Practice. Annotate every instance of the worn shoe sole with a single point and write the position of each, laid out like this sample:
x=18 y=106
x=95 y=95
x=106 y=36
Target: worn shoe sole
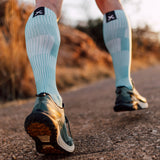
x=46 y=134
x=130 y=106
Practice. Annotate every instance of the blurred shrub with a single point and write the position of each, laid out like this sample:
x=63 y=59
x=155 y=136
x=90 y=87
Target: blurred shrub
x=145 y=42
x=94 y=29
x=14 y=65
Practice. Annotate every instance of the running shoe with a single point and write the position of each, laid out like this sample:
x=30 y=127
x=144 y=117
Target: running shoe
x=129 y=100
x=47 y=125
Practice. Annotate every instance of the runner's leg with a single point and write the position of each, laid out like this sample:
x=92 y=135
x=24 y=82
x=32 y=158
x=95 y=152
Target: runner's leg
x=117 y=37
x=47 y=123
x=42 y=43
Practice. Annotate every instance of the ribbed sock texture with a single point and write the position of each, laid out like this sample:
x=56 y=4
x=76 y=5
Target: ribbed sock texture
x=117 y=37
x=42 y=43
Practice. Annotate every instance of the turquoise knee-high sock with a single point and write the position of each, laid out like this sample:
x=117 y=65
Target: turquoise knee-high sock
x=117 y=38
x=42 y=43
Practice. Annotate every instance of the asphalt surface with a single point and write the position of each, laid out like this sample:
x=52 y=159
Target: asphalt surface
x=98 y=132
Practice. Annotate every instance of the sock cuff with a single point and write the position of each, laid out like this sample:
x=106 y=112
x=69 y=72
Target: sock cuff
x=42 y=21
x=43 y=11
x=115 y=15
x=42 y=15
x=117 y=12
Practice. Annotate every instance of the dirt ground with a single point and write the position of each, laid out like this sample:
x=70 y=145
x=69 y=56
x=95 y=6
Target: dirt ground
x=98 y=132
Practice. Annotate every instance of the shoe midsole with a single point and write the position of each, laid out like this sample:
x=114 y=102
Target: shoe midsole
x=139 y=104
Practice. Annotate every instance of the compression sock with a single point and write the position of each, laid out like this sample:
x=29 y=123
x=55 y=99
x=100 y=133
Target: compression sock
x=117 y=38
x=42 y=43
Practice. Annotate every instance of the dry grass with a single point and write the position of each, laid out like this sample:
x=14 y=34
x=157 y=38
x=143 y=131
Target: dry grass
x=15 y=71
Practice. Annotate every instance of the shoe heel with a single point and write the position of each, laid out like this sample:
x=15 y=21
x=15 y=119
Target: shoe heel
x=40 y=127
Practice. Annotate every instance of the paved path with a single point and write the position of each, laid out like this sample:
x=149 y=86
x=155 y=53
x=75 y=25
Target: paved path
x=98 y=132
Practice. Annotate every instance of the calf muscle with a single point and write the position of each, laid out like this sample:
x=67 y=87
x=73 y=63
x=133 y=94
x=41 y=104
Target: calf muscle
x=108 y=5
x=54 y=5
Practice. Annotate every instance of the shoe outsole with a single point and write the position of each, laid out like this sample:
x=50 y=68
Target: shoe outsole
x=41 y=128
x=129 y=107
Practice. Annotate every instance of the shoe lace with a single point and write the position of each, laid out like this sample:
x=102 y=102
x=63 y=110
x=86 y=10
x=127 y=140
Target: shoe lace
x=43 y=94
x=67 y=122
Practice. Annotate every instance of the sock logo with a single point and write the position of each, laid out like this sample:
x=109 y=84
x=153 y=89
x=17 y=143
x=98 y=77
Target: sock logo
x=110 y=16
x=39 y=11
